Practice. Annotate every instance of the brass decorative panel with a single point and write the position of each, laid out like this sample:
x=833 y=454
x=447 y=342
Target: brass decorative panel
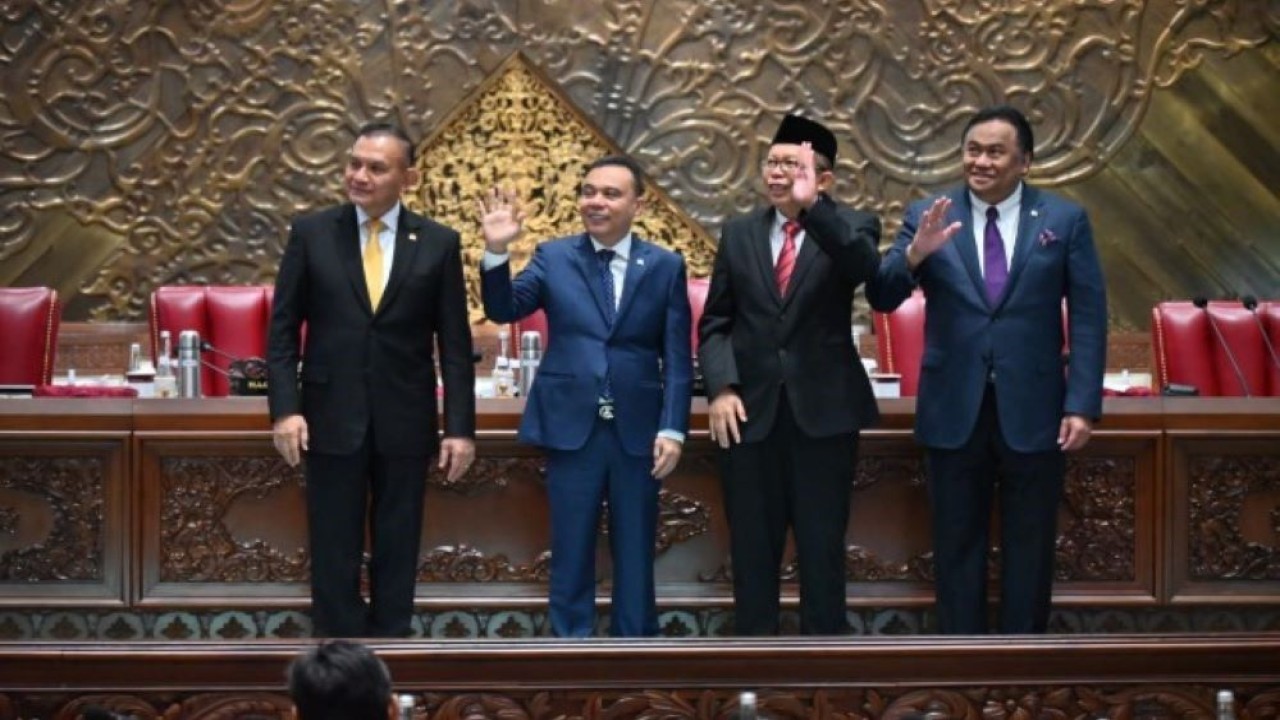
x=144 y=144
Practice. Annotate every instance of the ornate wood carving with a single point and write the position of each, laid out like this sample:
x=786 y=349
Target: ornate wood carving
x=195 y=545
x=169 y=145
x=488 y=474
x=1097 y=541
x=1047 y=700
x=73 y=488
x=1221 y=486
x=467 y=564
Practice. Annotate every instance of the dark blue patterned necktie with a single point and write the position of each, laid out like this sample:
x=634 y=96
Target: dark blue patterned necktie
x=605 y=258
x=995 y=266
x=606 y=281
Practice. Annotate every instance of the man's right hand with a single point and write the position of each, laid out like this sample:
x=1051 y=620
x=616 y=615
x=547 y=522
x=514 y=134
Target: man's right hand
x=932 y=233
x=290 y=437
x=723 y=416
x=501 y=219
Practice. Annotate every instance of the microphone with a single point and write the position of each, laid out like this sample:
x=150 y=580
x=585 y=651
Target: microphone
x=245 y=376
x=1203 y=304
x=1250 y=303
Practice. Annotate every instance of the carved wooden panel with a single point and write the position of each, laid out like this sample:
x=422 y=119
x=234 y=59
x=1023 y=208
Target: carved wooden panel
x=1142 y=702
x=887 y=679
x=1226 y=516
x=143 y=145
x=61 y=519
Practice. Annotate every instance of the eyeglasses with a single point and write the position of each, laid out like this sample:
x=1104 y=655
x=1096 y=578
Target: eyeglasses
x=788 y=164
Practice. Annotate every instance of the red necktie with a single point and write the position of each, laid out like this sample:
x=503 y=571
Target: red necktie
x=787 y=256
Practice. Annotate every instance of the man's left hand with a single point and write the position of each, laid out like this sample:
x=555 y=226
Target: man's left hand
x=1074 y=432
x=666 y=454
x=804 y=183
x=456 y=455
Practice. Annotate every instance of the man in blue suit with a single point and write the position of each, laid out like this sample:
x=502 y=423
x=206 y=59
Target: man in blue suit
x=610 y=404
x=996 y=411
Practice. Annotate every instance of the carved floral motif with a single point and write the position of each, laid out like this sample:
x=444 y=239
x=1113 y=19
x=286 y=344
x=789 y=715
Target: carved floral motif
x=73 y=489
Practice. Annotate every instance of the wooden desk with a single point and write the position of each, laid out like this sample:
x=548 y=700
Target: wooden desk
x=183 y=503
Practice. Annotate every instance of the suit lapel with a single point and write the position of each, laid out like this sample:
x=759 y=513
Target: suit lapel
x=589 y=266
x=1029 y=225
x=963 y=241
x=407 y=232
x=763 y=253
x=637 y=266
x=346 y=238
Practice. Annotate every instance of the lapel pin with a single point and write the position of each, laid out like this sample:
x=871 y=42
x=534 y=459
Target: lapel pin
x=640 y=261
x=1035 y=213
x=413 y=237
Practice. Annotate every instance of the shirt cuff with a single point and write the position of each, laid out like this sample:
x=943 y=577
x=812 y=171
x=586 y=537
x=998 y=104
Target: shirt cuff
x=492 y=260
x=672 y=435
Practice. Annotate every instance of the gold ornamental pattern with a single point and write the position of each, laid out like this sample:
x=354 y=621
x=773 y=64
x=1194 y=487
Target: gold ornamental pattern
x=518 y=131
x=147 y=144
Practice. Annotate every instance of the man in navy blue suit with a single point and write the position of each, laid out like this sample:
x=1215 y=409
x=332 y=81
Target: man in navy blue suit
x=996 y=411
x=610 y=404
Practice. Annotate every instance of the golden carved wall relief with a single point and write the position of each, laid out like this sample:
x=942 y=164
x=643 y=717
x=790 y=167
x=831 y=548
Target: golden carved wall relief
x=156 y=143
x=519 y=132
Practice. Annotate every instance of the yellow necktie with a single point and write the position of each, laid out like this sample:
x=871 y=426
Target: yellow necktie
x=373 y=263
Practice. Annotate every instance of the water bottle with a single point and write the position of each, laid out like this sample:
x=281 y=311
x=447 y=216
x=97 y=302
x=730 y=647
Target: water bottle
x=405 y=703
x=166 y=383
x=503 y=375
x=189 y=364
x=530 y=358
x=1226 y=705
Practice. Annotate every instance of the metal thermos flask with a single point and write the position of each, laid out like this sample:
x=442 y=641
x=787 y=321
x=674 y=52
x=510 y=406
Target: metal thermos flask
x=189 y=364
x=530 y=357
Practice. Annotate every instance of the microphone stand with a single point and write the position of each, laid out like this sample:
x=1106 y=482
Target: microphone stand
x=1203 y=304
x=1250 y=303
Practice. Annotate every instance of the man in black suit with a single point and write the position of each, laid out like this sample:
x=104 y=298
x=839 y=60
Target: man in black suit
x=376 y=286
x=788 y=392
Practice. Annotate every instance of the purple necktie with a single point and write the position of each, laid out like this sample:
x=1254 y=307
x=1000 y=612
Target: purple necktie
x=997 y=270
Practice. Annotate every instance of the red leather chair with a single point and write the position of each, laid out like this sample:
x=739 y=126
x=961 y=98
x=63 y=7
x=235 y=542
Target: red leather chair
x=1187 y=350
x=233 y=319
x=29 y=320
x=900 y=341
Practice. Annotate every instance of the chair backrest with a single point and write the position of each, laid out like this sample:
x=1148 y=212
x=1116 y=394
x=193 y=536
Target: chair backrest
x=233 y=319
x=29 y=320
x=697 y=300
x=900 y=341
x=1188 y=351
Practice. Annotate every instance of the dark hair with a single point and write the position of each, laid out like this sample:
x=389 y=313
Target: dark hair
x=385 y=128
x=637 y=175
x=339 y=680
x=1011 y=115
